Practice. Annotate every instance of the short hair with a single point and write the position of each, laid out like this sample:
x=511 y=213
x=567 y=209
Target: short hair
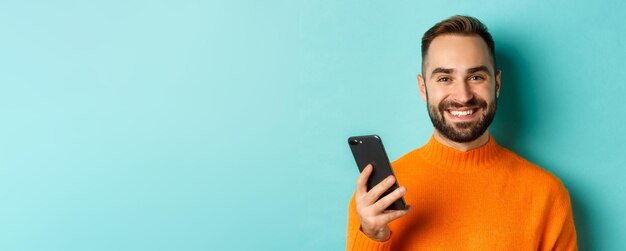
x=461 y=25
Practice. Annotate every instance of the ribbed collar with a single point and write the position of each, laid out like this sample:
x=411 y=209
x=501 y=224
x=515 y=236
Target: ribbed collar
x=444 y=156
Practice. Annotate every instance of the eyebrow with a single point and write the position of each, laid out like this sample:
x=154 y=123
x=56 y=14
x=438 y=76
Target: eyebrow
x=441 y=70
x=478 y=68
x=470 y=70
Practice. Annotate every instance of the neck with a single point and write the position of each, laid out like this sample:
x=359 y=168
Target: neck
x=462 y=146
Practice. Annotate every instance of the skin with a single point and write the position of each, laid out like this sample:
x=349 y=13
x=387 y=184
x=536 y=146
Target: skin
x=374 y=219
x=459 y=53
x=456 y=69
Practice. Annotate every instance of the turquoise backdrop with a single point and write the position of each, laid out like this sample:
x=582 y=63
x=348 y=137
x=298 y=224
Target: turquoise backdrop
x=195 y=125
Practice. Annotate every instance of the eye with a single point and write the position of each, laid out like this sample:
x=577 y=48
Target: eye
x=476 y=78
x=443 y=79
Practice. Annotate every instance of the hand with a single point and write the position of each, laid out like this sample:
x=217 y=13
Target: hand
x=374 y=219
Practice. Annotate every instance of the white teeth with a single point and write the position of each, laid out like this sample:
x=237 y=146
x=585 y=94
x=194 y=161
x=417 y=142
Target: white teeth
x=462 y=113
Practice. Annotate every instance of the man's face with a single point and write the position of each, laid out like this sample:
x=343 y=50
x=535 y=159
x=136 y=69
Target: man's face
x=460 y=86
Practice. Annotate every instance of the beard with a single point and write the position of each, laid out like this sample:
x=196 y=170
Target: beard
x=463 y=132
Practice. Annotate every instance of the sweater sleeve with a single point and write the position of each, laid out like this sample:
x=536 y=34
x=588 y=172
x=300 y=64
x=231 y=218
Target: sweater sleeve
x=560 y=231
x=356 y=239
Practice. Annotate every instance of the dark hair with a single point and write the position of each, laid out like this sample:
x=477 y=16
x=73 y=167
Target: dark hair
x=462 y=25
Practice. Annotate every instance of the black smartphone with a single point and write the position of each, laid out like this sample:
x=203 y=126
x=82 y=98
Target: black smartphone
x=369 y=149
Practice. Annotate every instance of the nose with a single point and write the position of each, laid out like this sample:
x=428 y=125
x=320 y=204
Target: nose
x=462 y=92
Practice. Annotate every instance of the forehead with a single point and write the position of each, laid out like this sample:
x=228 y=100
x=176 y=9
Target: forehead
x=458 y=52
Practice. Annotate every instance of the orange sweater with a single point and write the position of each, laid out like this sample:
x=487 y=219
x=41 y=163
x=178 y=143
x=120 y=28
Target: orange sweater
x=487 y=198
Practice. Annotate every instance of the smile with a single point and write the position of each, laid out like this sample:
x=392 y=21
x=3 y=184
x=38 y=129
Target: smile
x=463 y=112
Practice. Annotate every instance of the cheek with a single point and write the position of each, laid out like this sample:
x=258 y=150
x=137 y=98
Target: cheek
x=486 y=93
x=435 y=96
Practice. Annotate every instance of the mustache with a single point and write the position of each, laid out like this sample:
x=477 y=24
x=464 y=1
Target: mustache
x=474 y=102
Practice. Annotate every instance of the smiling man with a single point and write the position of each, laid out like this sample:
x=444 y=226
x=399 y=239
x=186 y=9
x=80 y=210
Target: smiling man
x=466 y=192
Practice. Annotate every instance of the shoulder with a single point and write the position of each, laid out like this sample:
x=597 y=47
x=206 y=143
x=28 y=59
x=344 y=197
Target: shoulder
x=408 y=164
x=407 y=159
x=535 y=177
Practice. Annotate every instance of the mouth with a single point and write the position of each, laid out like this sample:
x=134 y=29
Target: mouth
x=463 y=113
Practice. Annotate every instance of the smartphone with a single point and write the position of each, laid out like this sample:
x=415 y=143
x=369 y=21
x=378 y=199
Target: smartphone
x=369 y=149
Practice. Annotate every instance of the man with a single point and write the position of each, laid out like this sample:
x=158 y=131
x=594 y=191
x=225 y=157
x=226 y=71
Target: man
x=466 y=192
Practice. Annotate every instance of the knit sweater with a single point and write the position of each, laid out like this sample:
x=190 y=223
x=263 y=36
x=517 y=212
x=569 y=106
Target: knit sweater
x=487 y=198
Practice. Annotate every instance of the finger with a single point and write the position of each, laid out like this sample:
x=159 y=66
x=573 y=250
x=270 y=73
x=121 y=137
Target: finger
x=389 y=199
x=391 y=216
x=393 y=210
x=361 y=181
x=379 y=189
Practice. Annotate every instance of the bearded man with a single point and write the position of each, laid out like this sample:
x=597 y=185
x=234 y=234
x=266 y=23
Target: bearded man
x=466 y=192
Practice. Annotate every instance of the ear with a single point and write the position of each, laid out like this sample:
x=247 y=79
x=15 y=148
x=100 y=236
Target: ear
x=422 y=86
x=498 y=75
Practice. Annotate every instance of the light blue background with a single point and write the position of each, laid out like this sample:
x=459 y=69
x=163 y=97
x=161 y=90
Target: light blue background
x=194 y=125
